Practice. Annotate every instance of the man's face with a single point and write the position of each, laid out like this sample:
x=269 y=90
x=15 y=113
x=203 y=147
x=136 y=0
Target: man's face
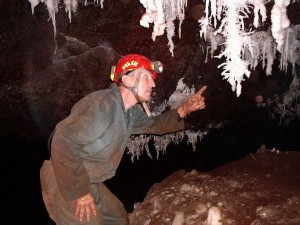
x=145 y=85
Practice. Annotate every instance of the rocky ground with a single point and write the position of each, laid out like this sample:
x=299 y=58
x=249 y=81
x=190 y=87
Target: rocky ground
x=260 y=189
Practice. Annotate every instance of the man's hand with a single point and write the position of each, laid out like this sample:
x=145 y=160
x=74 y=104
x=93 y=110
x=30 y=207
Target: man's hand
x=193 y=103
x=84 y=205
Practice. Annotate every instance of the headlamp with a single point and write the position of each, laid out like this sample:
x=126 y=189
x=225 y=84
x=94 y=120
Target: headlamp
x=157 y=66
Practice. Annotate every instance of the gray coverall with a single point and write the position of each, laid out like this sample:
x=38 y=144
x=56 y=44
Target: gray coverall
x=86 y=150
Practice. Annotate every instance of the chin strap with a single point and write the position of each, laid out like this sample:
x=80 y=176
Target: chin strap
x=134 y=91
x=146 y=109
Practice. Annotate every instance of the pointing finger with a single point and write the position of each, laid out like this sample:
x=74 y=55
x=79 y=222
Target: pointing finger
x=202 y=90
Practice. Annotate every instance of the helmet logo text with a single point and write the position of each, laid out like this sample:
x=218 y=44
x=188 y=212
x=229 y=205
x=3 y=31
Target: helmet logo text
x=132 y=63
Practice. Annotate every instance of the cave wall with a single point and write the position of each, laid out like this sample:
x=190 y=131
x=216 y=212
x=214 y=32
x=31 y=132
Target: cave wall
x=44 y=75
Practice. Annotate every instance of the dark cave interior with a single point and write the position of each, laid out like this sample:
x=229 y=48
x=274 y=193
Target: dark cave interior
x=37 y=92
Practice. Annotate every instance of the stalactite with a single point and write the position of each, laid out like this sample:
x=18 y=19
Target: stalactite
x=52 y=7
x=230 y=33
x=260 y=47
x=280 y=22
x=163 y=14
x=245 y=49
x=291 y=49
x=232 y=28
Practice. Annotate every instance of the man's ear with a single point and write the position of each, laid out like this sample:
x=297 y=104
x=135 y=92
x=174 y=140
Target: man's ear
x=127 y=80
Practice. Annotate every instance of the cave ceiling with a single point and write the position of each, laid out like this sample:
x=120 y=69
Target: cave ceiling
x=43 y=75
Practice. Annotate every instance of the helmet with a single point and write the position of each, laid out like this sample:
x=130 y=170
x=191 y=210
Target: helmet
x=134 y=61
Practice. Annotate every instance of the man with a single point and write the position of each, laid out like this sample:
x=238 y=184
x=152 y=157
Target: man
x=87 y=146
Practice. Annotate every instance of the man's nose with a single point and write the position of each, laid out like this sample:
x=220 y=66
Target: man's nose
x=152 y=83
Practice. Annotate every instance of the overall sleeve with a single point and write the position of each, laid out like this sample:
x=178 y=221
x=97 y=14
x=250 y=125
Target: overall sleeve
x=70 y=172
x=164 y=123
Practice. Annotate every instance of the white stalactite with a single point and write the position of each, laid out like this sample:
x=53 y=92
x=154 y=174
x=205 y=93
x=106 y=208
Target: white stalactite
x=219 y=9
x=162 y=14
x=280 y=22
x=245 y=49
x=70 y=6
x=33 y=3
x=232 y=29
x=260 y=47
x=241 y=49
x=291 y=48
x=259 y=8
x=52 y=7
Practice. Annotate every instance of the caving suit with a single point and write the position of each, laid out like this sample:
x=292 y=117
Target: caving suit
x=86 y=150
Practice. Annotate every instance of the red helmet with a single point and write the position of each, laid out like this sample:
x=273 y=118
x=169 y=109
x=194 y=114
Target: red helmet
x=134 y=61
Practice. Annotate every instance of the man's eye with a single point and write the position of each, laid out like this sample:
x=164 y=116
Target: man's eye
x=146 y=76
